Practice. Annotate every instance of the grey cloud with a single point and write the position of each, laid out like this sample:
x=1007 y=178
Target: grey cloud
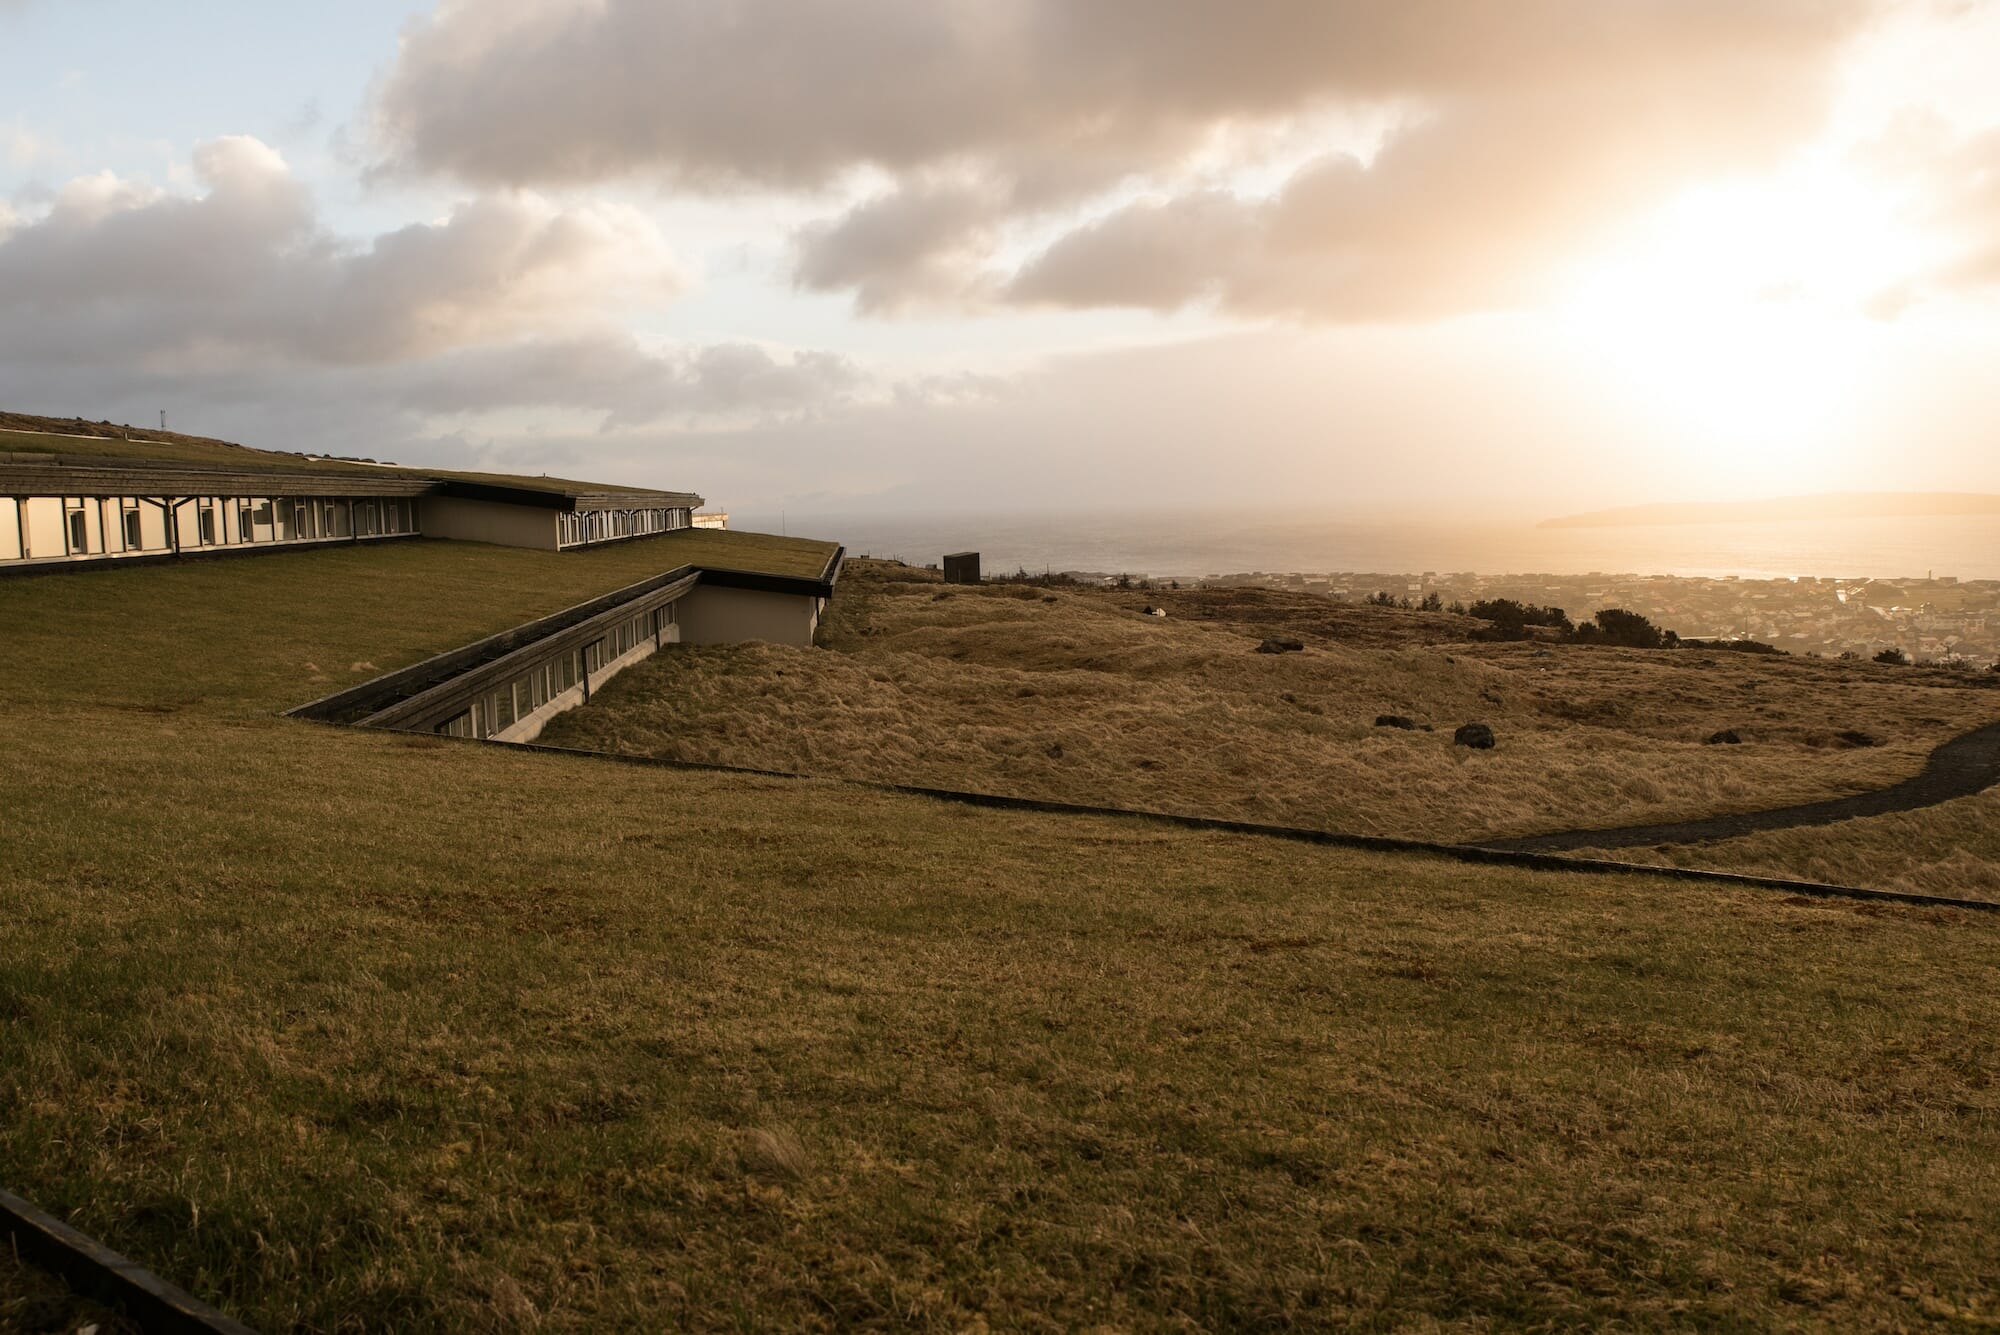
x=991 y=113
x=236 y=304
x=773 y=92
x=916 y=244
x=590 y=406
x=609 y=373
x=121 y=272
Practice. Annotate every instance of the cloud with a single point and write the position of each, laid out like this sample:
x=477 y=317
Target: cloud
x=121 y=271
x=921 y=245
x=1475 y=208
x=994 y=119
x=235 y=305
x=610 y=374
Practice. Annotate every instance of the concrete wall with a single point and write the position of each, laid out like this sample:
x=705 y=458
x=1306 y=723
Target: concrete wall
x=729 y=616
x=489 y=521
x=45 y=526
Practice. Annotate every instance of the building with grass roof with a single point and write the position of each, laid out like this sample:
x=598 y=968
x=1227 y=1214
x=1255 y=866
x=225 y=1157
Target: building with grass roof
x=70 y=498
x=78 y=501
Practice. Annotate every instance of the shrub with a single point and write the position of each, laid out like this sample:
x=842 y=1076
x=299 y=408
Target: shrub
x=1629 y=630
x=1894 y=657
x=1510 y=620
x=1740 y=646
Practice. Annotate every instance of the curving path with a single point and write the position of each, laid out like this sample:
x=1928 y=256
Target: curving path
x=1963 y=766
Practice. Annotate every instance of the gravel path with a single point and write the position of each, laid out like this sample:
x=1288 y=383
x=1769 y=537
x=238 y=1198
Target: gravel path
x=1961 y=767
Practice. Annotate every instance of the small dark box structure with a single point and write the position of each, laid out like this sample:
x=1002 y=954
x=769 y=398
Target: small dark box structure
x=961 y=568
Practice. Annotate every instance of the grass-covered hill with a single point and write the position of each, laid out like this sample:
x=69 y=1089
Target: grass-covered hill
x=22 y=433
x=1078 y=694
x=359 y=1031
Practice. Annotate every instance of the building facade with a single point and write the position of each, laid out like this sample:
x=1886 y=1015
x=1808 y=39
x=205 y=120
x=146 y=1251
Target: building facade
x=56 y=509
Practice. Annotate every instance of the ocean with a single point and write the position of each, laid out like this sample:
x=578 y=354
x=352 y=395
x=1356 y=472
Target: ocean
x=1194 y=544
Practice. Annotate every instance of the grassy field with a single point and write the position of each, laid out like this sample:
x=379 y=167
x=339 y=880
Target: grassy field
x=355 y=1031
x=1077 y=695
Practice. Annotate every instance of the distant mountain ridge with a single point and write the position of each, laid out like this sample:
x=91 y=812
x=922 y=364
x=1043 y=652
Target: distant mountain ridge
x=1828 y=505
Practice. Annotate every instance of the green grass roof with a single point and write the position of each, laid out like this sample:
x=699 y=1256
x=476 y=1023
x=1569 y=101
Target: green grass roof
x=187 y=452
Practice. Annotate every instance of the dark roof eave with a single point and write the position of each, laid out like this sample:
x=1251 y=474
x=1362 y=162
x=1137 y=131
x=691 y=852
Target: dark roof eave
x=567 y=501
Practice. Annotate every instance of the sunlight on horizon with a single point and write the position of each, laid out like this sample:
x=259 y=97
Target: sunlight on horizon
x=1739 y=323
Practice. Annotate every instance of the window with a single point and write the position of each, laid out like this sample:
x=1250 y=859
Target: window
x=134 y=537
x=246 y=526
x=205 y=519
x=79 y=532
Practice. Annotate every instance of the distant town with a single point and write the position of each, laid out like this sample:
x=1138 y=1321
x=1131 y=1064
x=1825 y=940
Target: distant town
x=1932 y=619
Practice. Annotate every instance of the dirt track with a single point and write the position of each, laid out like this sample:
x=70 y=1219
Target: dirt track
x=1961 y=767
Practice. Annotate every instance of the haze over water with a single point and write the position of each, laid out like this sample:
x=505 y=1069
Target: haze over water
x=1226 y=542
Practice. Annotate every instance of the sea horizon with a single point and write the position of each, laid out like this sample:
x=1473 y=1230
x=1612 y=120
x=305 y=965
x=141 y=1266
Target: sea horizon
x=1164 y=544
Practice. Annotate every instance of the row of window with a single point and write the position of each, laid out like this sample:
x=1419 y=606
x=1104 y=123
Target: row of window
x=42 y=527
x=502 y=707
x=587 y=526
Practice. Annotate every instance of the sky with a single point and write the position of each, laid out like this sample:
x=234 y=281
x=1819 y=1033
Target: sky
x=1393 y=257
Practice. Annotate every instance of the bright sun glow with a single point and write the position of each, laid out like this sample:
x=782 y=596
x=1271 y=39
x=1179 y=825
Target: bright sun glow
x=1737 y=322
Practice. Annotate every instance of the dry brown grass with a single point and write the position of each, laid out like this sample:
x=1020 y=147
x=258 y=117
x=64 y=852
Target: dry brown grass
x=1076 y=695
x=1949 y=849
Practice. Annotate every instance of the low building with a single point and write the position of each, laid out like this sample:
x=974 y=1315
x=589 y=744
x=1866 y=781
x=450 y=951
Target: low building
x=79 y=501
x=58 y=507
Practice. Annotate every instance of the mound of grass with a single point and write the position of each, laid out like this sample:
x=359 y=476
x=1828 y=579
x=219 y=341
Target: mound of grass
x=1078 y=696
x=362 y=1030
